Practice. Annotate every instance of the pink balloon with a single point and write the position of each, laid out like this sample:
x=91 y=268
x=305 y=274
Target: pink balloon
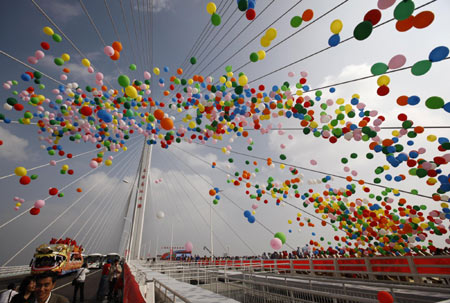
x=313 y=162
x=63 y=77
x=188 y=246
x=32 y=60
x=291 y=74
x=109 y=51
x=99 y=76
x=397 y=61
x=53 y=163
x=39 y=203
x=384 y=4
x=17 y=208
x=90 y=69
x=93 y=164
x=39 y=54
x=276 y=243
x=147 y=75
x=254 y=206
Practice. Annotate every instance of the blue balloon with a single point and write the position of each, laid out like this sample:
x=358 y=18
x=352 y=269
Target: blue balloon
x=334 y=40
x=25 y=77
x=166 y=69
x=105 y=116
x=247 y=213
x=413 y=100
x=251 y=219
x=438 y=54
x=447 y=107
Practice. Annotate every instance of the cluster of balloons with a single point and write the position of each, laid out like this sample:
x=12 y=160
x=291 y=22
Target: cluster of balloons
x=24 y=178
x=335 y=27
x=215 y=18
x=268 y=37
x=247 y=6
x=113 y=51
x=306 y=16
x=19 y=202
x=214 y=192
x=278 y=240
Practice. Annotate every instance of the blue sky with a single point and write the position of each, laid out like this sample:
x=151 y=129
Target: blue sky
x=183 y=194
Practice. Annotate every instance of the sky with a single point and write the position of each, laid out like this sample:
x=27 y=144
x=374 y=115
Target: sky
x=167 y=35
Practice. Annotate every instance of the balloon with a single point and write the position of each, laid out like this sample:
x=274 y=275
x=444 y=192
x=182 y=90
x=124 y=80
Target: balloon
x=188 y=246
x=261 y=54
x=307 y=15
x=276 y=244
x=271 y=33
x=373 y=16
x=56 y=38
x=439 y=53
x=296 y=21
x=116 y=56
x=250 y=14
x=86 y=62
x=334 y=40
x=20 y=171
x=86 y=111
x=421 y=68
x=159 y=114
x=254 y=57
x=39 y=54
x=167 y=123
x=384 y=4
x=265 y=42
x=156 y=71
x=53 y=191
x=363 y=30
x=65 y=57
x=117 y=46
x=243 y=80
x=104 y=115
x=336 y=26
x=108 y=50
x=123 y=80
x=35 y=211
x=147 y=75
x=48 y=31
x=132 y=67
x=247 y=213
x=280 y=236
x=423 y=19
x=215 y=19
x=397 y=61
x=212 y=192
x=160 y=214
x=25 y=180
x=385 y=297
x=39 y=204
x=93 y=164
x=211 y=8
x=131 y=92
x=434 y=102
x=404 y=9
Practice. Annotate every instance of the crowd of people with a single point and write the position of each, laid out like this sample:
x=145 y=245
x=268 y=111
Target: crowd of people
x=38 y=288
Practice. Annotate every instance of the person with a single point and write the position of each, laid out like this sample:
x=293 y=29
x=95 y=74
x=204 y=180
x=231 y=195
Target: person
x=102 y=285
x=26 y=291
x=79 y=282
x=7 y=295
x=45 y=283
x=114 y=274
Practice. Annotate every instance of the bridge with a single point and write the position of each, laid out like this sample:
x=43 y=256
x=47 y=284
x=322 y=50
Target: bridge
x=229 y=151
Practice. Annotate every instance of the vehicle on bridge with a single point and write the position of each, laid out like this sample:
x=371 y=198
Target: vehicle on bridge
x=95 y=260
x=113 y=257
x=60 y=256
x=176 y=255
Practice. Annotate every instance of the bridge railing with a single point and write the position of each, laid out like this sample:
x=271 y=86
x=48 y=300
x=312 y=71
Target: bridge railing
x=166 y=294
x=9 y=271
x=408 y=269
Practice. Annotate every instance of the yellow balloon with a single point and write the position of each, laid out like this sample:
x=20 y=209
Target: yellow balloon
x=261 y=54
x=65 y=167
x=48 y=31
x=265 y=42
x=243 y=80
x=383 y=80
x=131 y=91
x=108 y=162
x=336 y=26
x=20 y=171
x=211 y=8
x=431 y=138
x=86 y=62
x=192 y=124
x=156 y=71
x=65 y=57
x=222 y=79
x=271 y=33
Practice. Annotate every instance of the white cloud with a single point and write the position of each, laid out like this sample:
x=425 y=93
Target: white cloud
x=62 y=11
x=158 y=6
x=13 y=148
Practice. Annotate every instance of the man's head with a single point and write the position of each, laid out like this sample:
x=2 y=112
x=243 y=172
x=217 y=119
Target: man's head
x=11 y=286
x=45 y=283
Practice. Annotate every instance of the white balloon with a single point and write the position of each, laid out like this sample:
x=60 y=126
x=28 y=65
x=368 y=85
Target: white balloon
x=160 y=214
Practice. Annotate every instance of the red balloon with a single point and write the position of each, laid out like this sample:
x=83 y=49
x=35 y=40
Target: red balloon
x=45 y=45
x=86 y=111
x=19 y=107
x=373 y=16
x=25 y=180
x=385 y=297
x=383 y=90
x=250 y=14
x=35 y=211
x=1 y=142
x=53 y=191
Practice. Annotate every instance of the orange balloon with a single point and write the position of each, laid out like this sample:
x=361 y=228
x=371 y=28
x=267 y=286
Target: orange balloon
x=212 y=192
x=117 y=46
x=79 y=190
x=116 y=56
x=307 y=15
x=179 y=71
x=167 y=123
x=405 y=25
x=423 y=19
x=159 y=114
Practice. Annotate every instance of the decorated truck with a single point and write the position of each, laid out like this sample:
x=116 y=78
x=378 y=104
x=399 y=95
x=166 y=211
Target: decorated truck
x=60 y=255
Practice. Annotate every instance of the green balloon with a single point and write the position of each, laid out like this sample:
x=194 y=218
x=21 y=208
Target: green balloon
x=132 y=66
x=123 y=80
x=296 y=21
x=280 y=236
x=193 y=60
x=404 y=9
x=254 y=57
x=34 y=177
x=363 y=30
x=228 y=68
x=56 y=38
x=58 y=61
x=434 y=102
x=243 y=5
x=421 y=68
x=379 y=69
x=215 y=19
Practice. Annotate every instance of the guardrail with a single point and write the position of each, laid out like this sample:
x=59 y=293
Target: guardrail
x=409 y=269
x=168 y=294
x=10 y=271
